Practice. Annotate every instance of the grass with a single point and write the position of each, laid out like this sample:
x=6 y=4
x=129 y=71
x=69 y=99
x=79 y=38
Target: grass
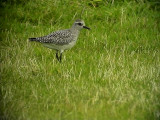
x=113 y=72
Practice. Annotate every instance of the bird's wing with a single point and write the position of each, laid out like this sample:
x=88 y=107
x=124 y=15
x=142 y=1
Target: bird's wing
x=61 y=37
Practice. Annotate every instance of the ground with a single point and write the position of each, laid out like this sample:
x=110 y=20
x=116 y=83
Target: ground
x=113 y=71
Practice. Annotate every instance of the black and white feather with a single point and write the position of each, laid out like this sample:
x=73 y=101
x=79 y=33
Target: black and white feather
x=61 y=37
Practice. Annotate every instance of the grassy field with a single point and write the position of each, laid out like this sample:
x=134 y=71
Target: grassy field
x=112 y=73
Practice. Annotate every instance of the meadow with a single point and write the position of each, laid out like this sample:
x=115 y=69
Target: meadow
x=112 y=73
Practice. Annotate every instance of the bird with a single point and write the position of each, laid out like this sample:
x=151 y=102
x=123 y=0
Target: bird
x=62 y=40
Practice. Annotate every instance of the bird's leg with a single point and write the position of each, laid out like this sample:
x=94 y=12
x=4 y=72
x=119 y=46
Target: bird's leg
x=60 y=57
x=57 y=56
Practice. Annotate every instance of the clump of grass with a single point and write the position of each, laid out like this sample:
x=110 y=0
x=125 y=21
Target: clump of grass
x=111 y=73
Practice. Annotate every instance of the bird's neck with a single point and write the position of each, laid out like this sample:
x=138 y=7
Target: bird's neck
x=75 y=30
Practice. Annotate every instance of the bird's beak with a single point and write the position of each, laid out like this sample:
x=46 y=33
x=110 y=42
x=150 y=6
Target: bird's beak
x=86 y=27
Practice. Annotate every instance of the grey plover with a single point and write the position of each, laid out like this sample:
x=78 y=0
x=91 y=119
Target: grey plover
x=63 y=39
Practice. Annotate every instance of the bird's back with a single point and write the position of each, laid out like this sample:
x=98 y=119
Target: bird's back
x=61 y=37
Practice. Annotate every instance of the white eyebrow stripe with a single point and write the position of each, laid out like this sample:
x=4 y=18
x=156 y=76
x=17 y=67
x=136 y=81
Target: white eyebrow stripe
x=77 y=22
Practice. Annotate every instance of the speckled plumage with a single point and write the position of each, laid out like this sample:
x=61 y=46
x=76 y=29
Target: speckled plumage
x=62 y=39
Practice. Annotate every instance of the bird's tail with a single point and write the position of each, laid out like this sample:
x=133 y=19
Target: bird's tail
x=32 y=39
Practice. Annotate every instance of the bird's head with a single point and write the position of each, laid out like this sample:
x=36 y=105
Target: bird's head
x=79 y=24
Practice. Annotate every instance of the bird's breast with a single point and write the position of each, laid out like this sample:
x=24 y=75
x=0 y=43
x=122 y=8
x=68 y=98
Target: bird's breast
x=60 y=47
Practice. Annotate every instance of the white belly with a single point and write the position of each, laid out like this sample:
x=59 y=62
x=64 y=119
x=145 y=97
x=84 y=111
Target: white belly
x=59 y=47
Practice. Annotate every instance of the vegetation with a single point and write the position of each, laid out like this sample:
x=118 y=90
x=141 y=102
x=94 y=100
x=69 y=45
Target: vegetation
x=112 y=73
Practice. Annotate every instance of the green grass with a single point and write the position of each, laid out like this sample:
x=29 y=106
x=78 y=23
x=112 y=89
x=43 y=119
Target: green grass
x=112 y=73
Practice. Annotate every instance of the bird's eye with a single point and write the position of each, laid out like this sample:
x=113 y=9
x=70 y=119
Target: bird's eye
x=80 y=24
